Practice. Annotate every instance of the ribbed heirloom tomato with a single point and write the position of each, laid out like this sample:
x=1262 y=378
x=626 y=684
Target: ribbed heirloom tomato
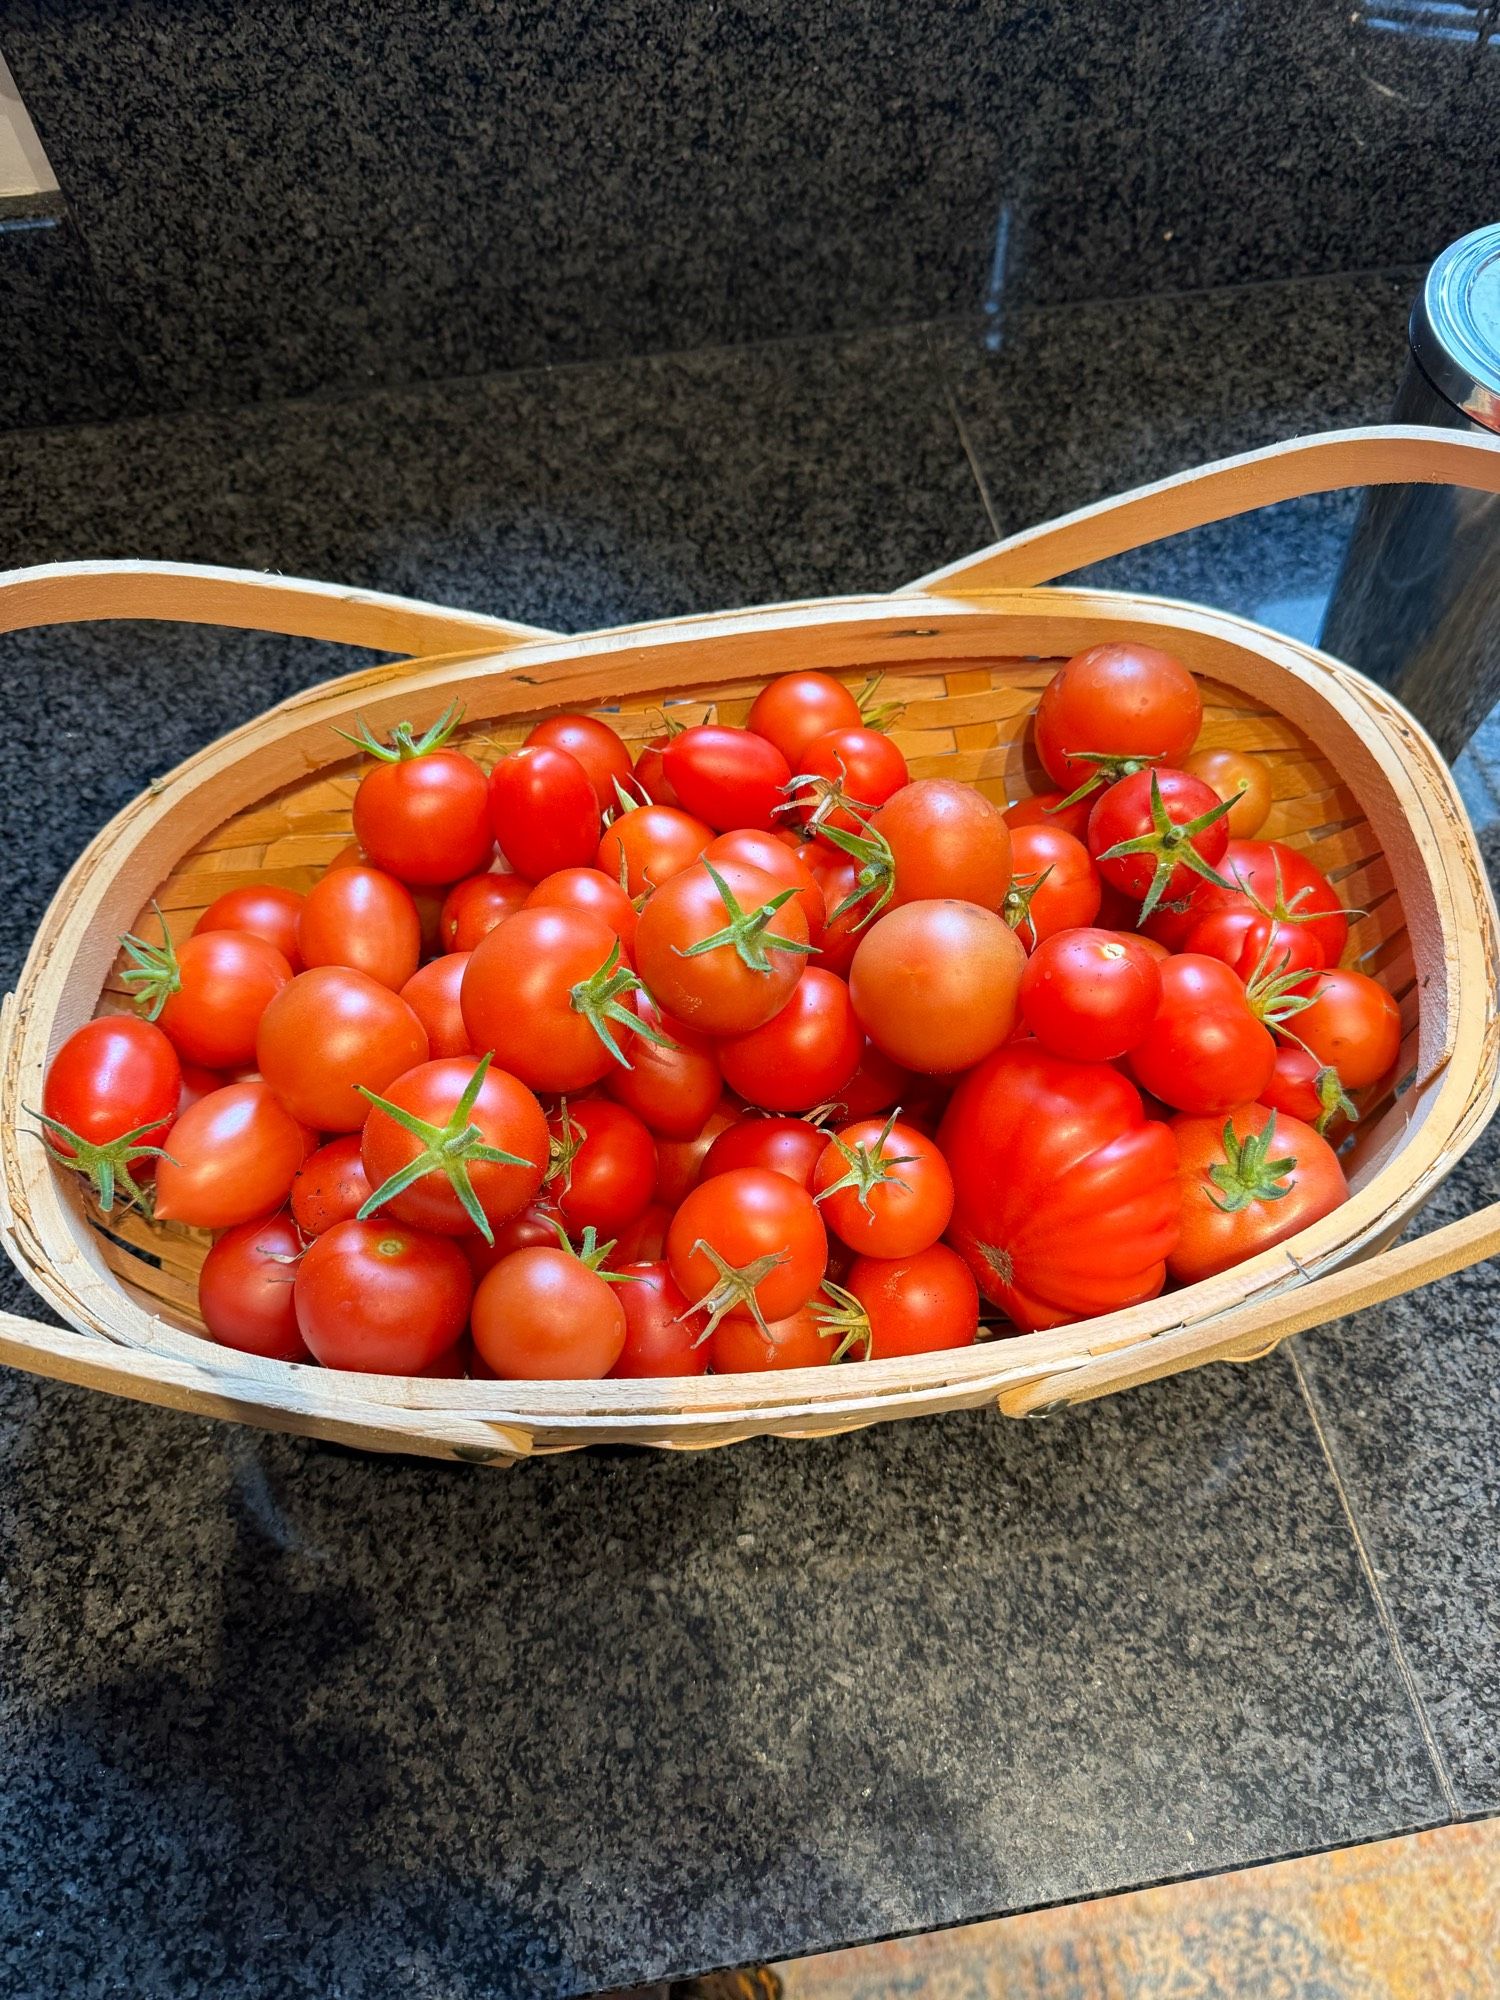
x=328 y=1032
x=1248 y=1182
x=422 y=814
x=1066 y=1201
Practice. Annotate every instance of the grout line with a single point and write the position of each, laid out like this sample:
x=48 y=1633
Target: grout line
x=1372 y=1583
x=975 y=467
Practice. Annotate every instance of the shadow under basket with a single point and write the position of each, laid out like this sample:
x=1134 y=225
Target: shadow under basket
x=1359 y=789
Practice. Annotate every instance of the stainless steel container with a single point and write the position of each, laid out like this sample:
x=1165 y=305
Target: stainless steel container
x=1417 y=601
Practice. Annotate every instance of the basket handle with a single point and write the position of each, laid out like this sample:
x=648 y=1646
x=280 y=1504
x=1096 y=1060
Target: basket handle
x=197 y=594
x=1382 y=455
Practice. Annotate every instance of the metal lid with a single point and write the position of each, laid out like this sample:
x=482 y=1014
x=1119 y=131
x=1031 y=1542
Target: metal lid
x=1455 y=325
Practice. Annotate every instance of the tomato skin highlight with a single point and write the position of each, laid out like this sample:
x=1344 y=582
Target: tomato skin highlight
x=594 y=745
x=1047 y=809
x=745 y=1215
x=245 y=1290
x=432 y=993
x=542 y=1316
x=948 y=843
x=329 y=1031
x=935 y=985
x=1066 y=1198
x=716 y=992
x=506 y=1115
x=795 y=709
x=330 y=1185
x=425 y=819
x=1214 y=1238
x=1205 y=1052
x=265 y=911
x=917 y=1304
x=1254 y=865
x=227 y=979
x=1089 y=995
x=365 y=919
x=1236 y=775
x=111 y=1076
x=612 y=1177
x=726 y=777
x=805 y=1053
x=591 y=890
x=234 y=1156
x=662 y=1334
x=544 y=811
x=651 y=845
x=1121 y=700
x=1254 y=946
x=787 y=1146
x=472 y=908
x=864 y=763
x=1353 y=1025
x=1055 y=886
x=516 y=998
x=381 y=1299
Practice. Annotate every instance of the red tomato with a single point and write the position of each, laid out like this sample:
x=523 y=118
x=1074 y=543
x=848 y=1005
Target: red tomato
x=663 y=1336
x=748 y=1241
x=1307 y=1089
x=380 y=1298
x=112 y=1093
x=472 y=909
x=650 y=780
x=917 y=1304
x=883 y=1188
x=1258 y=947
x=721 y=948
x=671 y=1089
x=740 y=1345
x=544 y=1316
x=587 y=889
x=787 y=1146
x=785 y=865
x=245 y=1289
x=544 y=811
x=839 y=877
x=679 y=1162
x=795 y=709
x=1055 y=886
x=328 y=1032
x=596 y=747
x=1205 y=1051
x=546 y=992
x=647 y=846
x=1280 y=880
x=1090 y=995
x=198 y=1082
x=208 y=993
x=1049 y=809
x=1248 y=1182
x=934 y=984
x=1112 y=709
x=422 y=813
x=362 y=918
x=945 y=840
x=234 y=1156
x=266 y=911
x=859 y=765
x=608 y=1172
x=802 y=1056
x=728 y=777
x=1156 y=836
x=538 y=1224
x=1066 y=1196
x=1243 y=779
x=432 y=995
x=454 y=1145
x=1353 y=1026
x=330 y=1185
x=643 y=1241
x=878 y=1084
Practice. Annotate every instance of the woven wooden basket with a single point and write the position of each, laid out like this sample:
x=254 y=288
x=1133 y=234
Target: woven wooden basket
x=1358 y=786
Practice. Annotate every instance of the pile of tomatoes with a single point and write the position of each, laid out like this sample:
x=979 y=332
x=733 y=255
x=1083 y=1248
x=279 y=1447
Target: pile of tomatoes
x=747 y=1051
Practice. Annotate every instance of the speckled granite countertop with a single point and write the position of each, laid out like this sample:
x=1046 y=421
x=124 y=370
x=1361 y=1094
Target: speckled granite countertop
x=278 y=1720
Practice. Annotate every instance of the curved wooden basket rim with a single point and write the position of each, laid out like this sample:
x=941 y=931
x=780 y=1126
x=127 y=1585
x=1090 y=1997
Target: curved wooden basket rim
x=178 y=592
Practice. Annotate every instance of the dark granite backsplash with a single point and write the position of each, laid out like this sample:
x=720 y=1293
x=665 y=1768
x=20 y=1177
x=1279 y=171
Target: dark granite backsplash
x=279 y=196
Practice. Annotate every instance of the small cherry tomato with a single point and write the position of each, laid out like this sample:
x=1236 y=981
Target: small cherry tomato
x=883 y=1188
x=245 y=1289
x=112 y=1092
x=234 y=1156
x=934 y=984
x=663 y=1336
x=1258 y=947
x=432 y=995
x=1090 y=995
x=208 y=993
x=671 y=1088
x=1205 y=1050
x=330 y=1186
x=1049 y=809
x=265 y=910
x=422 y=813
x=1113 y=708
x=1157 y=834
x=1307 y=1089
x=1353 y=1026
x=748 y=1241
x=785 y=865
x=740 y=1345
x=917 y=1304
x=643 y=1241
x=679 y=1162
x=804 y=1055
x=364 y=919
x=649 y=780
x=604 y=1166
x=787 y=1146
x=860 y=767
x=728 y=777
x=795 y=709
x=587 y=889
x=472 y=909
x=1242 y=779
x=838 y=877
x=1055 y=886
x=946 y=841
x=328 y=1032
x=381 y=1299
x=546 y=992
x=1274 y=878
x=538 y=1225
x=721 y=948
x=1248 y=1182
x=544 y=811
x=454 y=1145
x=647 y=846
x=596 y=747
x=878 y=1084
x=543 y=1316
